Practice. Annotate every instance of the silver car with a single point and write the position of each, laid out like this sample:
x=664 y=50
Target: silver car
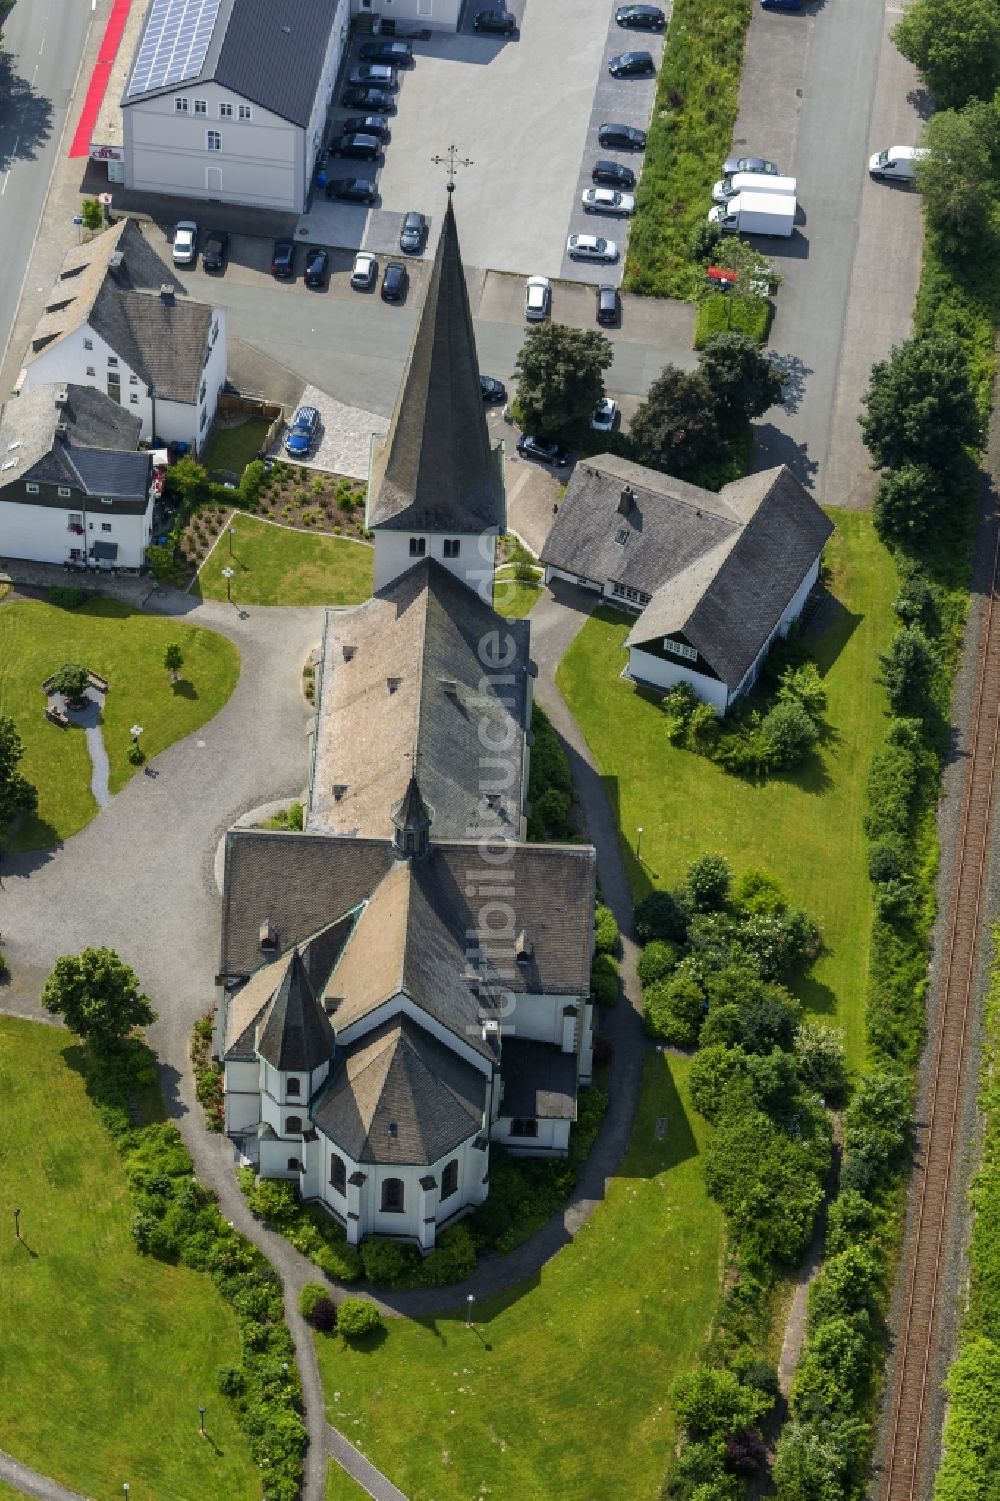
x=607 y=201
x=537 y=298
x=591 y=248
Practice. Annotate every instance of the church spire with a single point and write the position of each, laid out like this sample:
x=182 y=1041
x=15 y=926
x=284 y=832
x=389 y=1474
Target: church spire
x=412 y=820
x=435 y=471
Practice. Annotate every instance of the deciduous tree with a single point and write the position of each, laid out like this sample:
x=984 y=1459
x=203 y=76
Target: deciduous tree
x=955 y=47
x=173 y=659
x=957 y=177
x=676 y=428
x=98 y=996
x=560 y=376
x=919 y=406
x=741 y=378
x=17 y=795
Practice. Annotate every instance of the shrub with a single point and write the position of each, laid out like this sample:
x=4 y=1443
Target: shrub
x=604 y=980
x=71 y=681
x=606 y=936
x=756 y=891
x=822 y=1062
x=660 y=915
x=231 y=1381
x=707 y=883
x=657 y=960
x=712 y=1402
x=67 y=596
x=387 y=1263
x=358 y=1318
x=453 y=1258
x=789 y=734
x=678 y=704
x=673 y=1009
x=135 y=754
x=252 y=482
x=702 y=730
x=908 y=669
x=309 y=1295
x=803 y=685
x=324 y=1315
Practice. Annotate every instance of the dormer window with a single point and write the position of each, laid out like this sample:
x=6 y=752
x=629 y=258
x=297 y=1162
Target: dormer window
x=392 y=684
x=524 y=948
x=268 y=938
x=622 y=537
x=339 y=788
x=680 y=648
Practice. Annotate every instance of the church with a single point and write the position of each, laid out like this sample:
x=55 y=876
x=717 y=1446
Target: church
x=408 y=980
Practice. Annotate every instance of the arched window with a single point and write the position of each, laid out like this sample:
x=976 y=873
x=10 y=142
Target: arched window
x=338 y=1174
x=293 y=1087
x=449 y=1179
x=392 y=1196
x=293 y=1125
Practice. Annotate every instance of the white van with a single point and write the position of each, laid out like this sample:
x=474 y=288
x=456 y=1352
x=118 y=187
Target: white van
x=748 y=182
x=897 y=161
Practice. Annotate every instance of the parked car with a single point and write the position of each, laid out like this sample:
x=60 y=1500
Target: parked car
x=387 y=50
x=380 y=100
x=352 y=189
x=317 y=266
x=412 y=233
x=215 y=250
x=500 y=21
x=757 y=164
x=631 y=65
x=362 y=147
x=394 y=282
x=606 y=414
x=366 y=125
x=373 y=76
x=591 y=248
x=537 y=298
x=541 y=448
x=781 y=4
x=365 y=273
x=613 y=175
x=607 y=306
x=621 y=138
x=899 y=162
x=641 y=17
x=303 y=429
x=283 y=259
x=185 y=251
x=492 y=389
x=607 y=201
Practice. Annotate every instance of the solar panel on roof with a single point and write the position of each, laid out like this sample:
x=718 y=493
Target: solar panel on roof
x=175 y=43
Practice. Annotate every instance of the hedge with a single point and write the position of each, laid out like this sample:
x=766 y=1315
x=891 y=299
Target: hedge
x=722 y=313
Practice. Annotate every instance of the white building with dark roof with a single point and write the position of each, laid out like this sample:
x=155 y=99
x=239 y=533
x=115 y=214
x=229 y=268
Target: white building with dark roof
x=227 y=100
x=408 y=980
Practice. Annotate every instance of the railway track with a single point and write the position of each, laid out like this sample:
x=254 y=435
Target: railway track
x=912 y=1384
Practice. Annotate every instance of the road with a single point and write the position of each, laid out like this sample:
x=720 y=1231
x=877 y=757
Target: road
x=43 y=42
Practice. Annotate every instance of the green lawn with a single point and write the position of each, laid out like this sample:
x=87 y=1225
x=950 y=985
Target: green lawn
x=276 y=566
x=233 y=448
x=105 y=1355
x=561 y=1387
x=804 y=828
x=514 y=599
x=127 y=648
x=8 y=1493
x=339 y=1485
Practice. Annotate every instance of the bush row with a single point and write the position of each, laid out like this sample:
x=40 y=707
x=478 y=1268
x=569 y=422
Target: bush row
x=550 y=784
x=773 y=731
x=355 y=1318
x=209 y=1079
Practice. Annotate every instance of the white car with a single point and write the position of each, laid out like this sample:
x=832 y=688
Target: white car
x=185 y=243
x=365 y=273
x=607 y=201
x=591 y=248
x=537 y=298
x=606 y=414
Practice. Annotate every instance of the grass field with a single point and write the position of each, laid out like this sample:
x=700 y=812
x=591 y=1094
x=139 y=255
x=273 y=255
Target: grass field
x=126 y=647
x=275 y=566
x=339 y=1486
x=806 y=827
x=513 y=599
x=105 y=1355
x=560 y=1389
x=233 y=448
x=8 y=1493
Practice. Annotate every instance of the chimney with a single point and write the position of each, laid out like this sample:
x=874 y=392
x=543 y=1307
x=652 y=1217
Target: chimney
x=62 y=397
x=339 y=788
x=450 y=686
x=523 y=948
x=116 y=264
x=625 y=500
x=167 y=294
x=62 y=432
x=349 y=652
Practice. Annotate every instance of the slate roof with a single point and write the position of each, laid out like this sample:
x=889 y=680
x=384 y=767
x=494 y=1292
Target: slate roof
x=729 y=613
x=268 y=52
x=97 y=454
x=297 y=1033
x=402 y=674
x=248 y=1004
x=399 y=1075
x=539 y=1080
x=162 y=341
x=435 y=470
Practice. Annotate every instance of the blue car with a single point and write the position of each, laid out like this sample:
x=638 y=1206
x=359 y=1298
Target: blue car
x=302 y=431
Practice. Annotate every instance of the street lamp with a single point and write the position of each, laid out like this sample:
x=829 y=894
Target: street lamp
x=17 y=1223
x=638 y=843
x=232 y=531
x=135 y=732
x=125 y=1488
x=468 y=1317
x=227 y=574
x=284 y=1369
x=201 y=1419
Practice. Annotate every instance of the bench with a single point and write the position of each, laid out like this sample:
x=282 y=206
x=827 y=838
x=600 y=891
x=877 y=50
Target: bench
x=96 y=681
x=56 y=716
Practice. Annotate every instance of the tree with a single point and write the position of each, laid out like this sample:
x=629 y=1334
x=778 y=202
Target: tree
x=188 y=479
x=807 y=1467
x=676 y=428
x=955 y=47
x=173 y=659
x=908 y=669
x=91 y=214
x=822 y=1060
x=908 y=502
x=660 y=915
x=17 y=795
x=919 y=404
x=71 y=681
x=789 y=732
x=956 y=178
x=707 y=883
x=98 y=996
x=741 y=378
x=560 y=376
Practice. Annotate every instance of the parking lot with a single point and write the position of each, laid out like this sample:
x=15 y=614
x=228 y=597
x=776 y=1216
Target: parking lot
x=525 y=110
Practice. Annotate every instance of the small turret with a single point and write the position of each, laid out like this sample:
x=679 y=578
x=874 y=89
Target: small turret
x=412 y=820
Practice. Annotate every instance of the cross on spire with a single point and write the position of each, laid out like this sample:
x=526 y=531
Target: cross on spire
x=453 y=160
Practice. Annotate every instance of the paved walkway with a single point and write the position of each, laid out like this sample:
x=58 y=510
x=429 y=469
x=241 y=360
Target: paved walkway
x=33 y=1484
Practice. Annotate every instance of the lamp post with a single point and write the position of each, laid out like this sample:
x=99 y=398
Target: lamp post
x=125 y=1488
x=468 y=1316
x=232 y=530
x=17 y=1223
x=201 y=1420
x=227 y=574
x=284 y=1369
x=135 y=732
x=638 y=843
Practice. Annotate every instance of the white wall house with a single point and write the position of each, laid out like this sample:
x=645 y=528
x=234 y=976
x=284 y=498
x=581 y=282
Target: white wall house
x=434 y=15
x=239 y=118
x=470 y=556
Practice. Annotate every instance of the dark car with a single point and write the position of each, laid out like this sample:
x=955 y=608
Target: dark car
x=540 y=448
x=781 y=4
x=758 y=165
x=302 y=430
x=412 y=233
x=607 y=306
x=352 y=189
x=364 y=147
x=400 y=54
x=492 y=389
x=394 y=282
x=213 y=257
x=317 y=265
x=500 y=21
x=613 y=175
x=374 y=76
x=374 y=99
x=283 y=259
x=621 y=138
x=631 y=65
x=641 y=17
x=366 y=125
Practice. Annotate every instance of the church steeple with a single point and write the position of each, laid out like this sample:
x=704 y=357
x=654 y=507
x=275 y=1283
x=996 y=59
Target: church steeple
x=435 y=472
x=412 y=820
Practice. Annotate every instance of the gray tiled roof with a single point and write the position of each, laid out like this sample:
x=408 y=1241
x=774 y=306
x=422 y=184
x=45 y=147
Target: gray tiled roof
x=297 y=1033
x=99 y=445
x=435 y=471
x=398 y=1076
x=413 y=680
x=730 y=617
x=539 y=1080
x=102 y=472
